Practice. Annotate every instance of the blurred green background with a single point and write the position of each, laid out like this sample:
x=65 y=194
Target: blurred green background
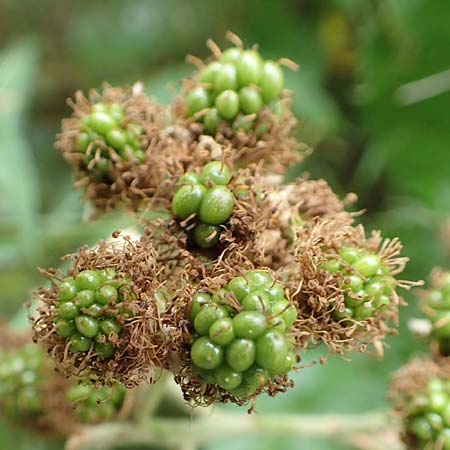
x=375 y=131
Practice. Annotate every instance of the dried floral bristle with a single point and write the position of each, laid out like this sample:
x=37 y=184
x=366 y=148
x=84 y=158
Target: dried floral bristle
x=134 y=345
x=344 y=285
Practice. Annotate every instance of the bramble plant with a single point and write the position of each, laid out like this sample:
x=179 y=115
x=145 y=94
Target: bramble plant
x=226 y=285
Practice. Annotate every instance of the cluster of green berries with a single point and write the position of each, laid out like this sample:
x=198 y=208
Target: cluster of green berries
x=106 y=123
x=208 y=197
x=80 y=314
x=438 y=311
x=236 y=88
x=21 y=380
x=367 y=286
x=95 y=405
x=428 y=415
x=239 y=334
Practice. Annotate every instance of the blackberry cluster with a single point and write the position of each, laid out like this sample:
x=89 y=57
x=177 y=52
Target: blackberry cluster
x=83 y=312
x=437 y=308
x=21 y=378
x=208 y=198
x=367 y=284
x=239 y=334
x=428 y=415
x=235 y=88
x=104 y=128
x=95 y=405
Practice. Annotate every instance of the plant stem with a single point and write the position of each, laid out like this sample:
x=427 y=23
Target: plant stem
x=175 y=433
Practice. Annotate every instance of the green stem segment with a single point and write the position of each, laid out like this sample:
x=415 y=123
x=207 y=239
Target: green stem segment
x=176 y=433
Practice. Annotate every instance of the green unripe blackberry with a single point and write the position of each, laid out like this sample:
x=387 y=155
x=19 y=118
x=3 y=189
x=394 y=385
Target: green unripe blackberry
x=436 y=305
x=238 y=84
x=95 y=405
x=239 y=349
x=82 y=319
x=21 y=381
x=367 y=285
x=207 y=196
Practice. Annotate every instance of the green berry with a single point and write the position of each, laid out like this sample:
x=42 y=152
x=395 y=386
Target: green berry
x=87 y=326
x=206 y=354
x=355 y=283
x=207 y=316
x=239 y=287
x=287 y=311
x=250 y=100
x=206 y=236
x=94 y=310
x=78 y=393
x=259 y=279
x=249 y=324
x=68 y=310
x=84 y=298
x=231 y=54
x=102 y=122
x=197 y=99
x=256 y=301
x=221 y=331
x=67 y=289
x=211 y=120
x=444 y=438
x=421 y=428
x=79 y=343
x=256 y=377
x=187 y=200
x=227 y=378
x=277 y=323
x=435 y=421
x=215 y=172
x=116 y=112
x=116 y=138
x=367 y=265
x=438 y=401
x=271 y=350
x=109 y=326
x=82 y=142
x=271 y=81
x=332 y=266
x=227 y=104
x=287 y=365
x=217 y=206
x=249 y=68
x=244 y=123
x=105 y=349
x=240 y=354
x=226 y=78
x=65 y=328
x=209 y=73
x=188 y=178
x=349 y=254
x=198 y=301
x=106 y=294
x=275 y=292
x=87 y=279
x=99 y=107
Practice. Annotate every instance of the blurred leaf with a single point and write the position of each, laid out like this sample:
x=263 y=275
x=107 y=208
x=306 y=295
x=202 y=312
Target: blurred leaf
x=19 y=193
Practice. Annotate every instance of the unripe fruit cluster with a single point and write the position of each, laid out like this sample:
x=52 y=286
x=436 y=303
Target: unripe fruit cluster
x=367 y=286
x=428 y=415
x=208 y=197
x=105 y=123
x=235 y=88
x=239 y=334
x=437 y=308
x=95 y=405
x=80 y=314
x=20 y=381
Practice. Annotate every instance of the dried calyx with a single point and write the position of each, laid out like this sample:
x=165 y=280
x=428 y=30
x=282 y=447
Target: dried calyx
x=239 y=337
x=239 y=98
x=105 y=141
x=345 y=285
x=104 y=317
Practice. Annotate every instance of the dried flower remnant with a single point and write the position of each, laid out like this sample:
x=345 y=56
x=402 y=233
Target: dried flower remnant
x=345 y=285
x=103 y=318
x=105 y=141
x=239 y=98
x=238 y=340
x=420 y=392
